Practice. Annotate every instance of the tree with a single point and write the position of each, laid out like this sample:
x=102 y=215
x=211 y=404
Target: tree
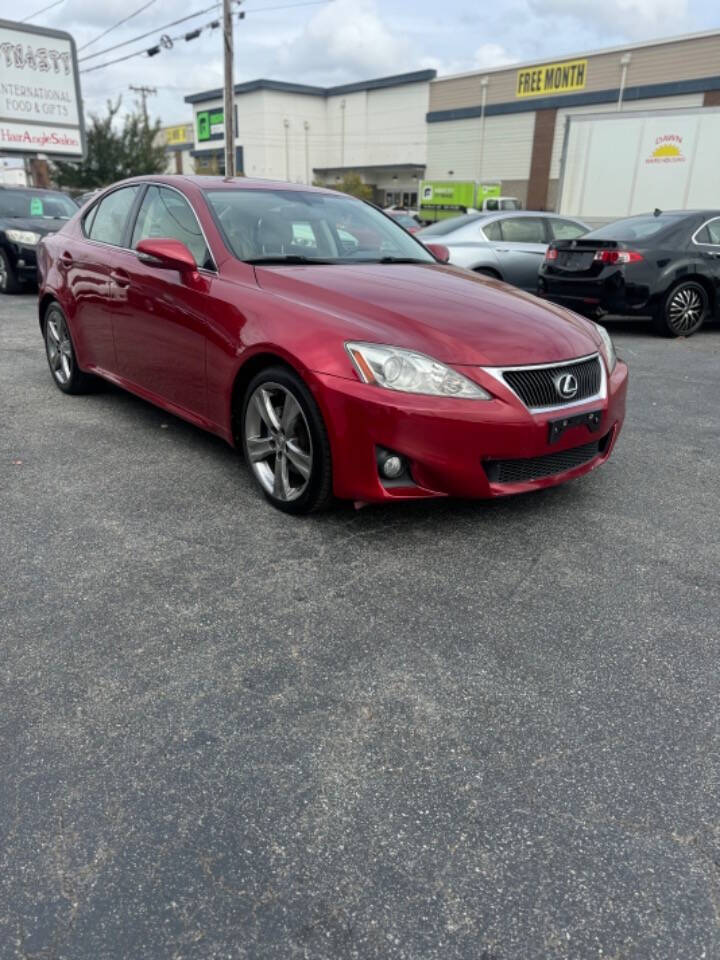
x=114 y=152
x=353 y=184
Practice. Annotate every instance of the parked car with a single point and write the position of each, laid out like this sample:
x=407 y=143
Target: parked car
x=361 y=365
x=506 y=245
x=26 y=215
x=665 y=265
x=405 y=219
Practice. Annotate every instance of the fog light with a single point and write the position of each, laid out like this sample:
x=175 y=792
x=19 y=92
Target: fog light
x=392 y=467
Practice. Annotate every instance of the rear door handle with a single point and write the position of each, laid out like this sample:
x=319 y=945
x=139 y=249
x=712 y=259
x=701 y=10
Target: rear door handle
x=66 y=259
x=120 y=278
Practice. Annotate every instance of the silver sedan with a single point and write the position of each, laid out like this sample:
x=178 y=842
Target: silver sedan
x=509 y=246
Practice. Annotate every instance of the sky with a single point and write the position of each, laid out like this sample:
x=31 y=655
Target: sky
x=342 y=40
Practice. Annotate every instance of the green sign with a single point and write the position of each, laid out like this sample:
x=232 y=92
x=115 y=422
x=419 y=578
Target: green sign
x=36 y=207
x=210 y=123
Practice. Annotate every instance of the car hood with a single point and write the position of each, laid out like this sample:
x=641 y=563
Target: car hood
x=445 y=312
x=36 y=224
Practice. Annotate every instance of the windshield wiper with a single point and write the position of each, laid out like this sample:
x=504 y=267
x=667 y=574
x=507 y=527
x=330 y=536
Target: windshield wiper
x=290 y=258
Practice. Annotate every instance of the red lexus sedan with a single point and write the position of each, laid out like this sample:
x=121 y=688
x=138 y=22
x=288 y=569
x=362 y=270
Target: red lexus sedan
x=341 y=354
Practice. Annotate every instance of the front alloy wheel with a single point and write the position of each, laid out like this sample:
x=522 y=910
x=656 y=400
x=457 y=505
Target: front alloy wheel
x=285 y=442
x=684 y=310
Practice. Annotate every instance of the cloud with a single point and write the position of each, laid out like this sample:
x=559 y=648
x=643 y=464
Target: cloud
x=636 y=19
x=348 y=39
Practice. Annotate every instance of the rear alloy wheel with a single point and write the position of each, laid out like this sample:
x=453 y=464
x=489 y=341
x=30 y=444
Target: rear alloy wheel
x=683 y=311
x=8 y=278
x=61 y=355
x=285 y=442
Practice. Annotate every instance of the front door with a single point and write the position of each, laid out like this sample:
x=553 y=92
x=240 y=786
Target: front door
x=159 y=315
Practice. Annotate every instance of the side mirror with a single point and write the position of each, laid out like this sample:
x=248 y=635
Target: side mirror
x=167 y=252
x=439 y=251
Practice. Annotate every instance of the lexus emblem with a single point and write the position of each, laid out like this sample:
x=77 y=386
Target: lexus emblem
x=566 y=386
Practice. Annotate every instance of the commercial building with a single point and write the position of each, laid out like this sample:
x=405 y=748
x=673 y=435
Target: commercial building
x=290 y=131
x=508 y=124
x=178 y=142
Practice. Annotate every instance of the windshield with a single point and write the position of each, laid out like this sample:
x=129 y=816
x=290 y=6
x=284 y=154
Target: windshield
x=294 y=226
x=443 y=227
x=634 y=228
x=23 y=204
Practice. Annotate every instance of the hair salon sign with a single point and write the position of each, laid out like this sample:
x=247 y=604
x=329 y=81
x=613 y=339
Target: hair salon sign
x=40 y=104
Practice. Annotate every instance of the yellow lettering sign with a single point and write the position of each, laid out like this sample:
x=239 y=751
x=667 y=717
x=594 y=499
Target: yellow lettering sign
x=552 y=78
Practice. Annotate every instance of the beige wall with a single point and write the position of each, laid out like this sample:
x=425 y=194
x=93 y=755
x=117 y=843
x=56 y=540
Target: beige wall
x=675 y=60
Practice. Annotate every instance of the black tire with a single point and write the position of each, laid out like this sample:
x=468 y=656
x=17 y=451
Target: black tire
x=9 y=282
x=317 y=492
x=487 y=272
x=60 y=352
x=683 y=310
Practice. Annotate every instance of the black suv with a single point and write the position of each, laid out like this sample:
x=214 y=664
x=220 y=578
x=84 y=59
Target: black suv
x=26 y=215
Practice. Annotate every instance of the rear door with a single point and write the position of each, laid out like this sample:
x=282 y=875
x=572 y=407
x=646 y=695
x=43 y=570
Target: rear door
x=88 y=265
x=521 y=250
x=707 y=240
x=160 y=326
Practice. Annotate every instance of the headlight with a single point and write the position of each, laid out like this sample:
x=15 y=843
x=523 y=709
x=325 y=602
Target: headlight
x=608 y=347
x=410 y=372
x=27 y=237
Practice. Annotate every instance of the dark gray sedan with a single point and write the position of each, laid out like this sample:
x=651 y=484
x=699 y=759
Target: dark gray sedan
x=509 y=246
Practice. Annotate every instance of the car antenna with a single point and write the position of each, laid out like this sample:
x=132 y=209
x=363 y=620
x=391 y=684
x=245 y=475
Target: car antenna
x=657 y=211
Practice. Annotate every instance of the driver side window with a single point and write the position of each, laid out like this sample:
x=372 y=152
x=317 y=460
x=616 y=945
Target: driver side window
x=166 y=213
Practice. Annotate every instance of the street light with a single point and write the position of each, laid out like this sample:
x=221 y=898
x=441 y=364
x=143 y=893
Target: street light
x=306 y=127
x=483 y=87
x=286 y=124
x=624 y=63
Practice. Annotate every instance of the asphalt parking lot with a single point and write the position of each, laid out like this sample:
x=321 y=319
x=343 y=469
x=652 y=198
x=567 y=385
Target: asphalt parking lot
x=438 y=731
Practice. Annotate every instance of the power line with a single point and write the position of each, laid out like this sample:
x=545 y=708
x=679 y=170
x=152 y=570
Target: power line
x=167 y=42
x=143 y=36
x=116 y=25
x=38 y=12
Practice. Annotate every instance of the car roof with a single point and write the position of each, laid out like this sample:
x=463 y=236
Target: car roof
x=16 y=188
x=226 y=183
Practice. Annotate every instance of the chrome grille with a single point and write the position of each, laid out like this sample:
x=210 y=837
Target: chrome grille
x=536 y=385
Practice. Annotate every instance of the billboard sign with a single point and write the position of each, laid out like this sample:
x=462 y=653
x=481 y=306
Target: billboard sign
x=40 y=103
x=552 y=79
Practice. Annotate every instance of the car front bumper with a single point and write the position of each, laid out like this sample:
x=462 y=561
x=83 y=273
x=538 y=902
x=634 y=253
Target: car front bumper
x=452 y=445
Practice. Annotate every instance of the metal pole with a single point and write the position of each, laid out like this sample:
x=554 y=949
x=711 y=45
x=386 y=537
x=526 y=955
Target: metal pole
x=624 y=63
x=342 y=135
x=307 y=153
x=228 y=105
x=483 y=85
x=286 y=124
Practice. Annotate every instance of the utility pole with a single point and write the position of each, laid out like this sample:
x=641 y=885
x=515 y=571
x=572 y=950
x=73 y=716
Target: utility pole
x=228 y=109
x=144 y=92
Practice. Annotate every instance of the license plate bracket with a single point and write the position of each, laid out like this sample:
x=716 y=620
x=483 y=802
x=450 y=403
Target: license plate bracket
x=592 y=420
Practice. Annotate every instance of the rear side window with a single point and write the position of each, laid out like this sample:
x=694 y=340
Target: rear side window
x=493 y=230
x=710 y=233
x=523 y=230
x=634 y=228
x=565 y=229
x=166 y=213
x=107 y=221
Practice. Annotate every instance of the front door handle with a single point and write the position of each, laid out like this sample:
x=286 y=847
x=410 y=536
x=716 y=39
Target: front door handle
x=66 y=259
x=120 y=278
